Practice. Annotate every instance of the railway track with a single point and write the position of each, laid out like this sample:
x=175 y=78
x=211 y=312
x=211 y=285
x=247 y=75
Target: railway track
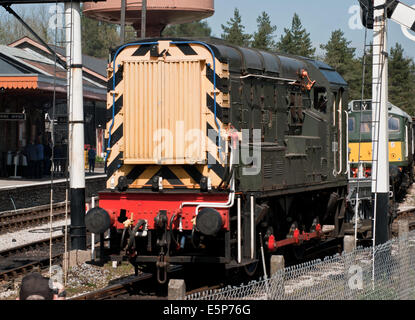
x=16 y=220
x=29 y=266
x=38 y=265
x=31 y=246
x=114 y=290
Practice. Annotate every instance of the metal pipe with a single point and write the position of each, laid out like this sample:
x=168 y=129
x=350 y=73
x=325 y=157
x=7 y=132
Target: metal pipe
x=267 y=77
x=239 y=230
x=347 y=144
x=252 y=227
x=231 y=198
x=93 y=234
x=340 y=146
x=122 y=21
x=143 y=18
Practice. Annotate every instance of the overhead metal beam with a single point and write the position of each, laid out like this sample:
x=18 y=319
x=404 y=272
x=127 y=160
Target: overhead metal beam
x=123 y=5
x=143 y=18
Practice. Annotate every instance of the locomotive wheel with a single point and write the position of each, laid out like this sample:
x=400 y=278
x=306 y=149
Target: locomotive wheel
x=250 y=269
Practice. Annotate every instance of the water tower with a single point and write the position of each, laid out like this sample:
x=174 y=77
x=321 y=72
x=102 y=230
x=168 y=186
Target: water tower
x=160 y=13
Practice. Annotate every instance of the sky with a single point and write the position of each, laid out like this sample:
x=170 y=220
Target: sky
x=319 y=17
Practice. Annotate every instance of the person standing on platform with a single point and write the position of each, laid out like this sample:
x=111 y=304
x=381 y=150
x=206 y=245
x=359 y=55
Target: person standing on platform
x=47 y=151
x=91 y=159
x=31 y=155
x=39 y=156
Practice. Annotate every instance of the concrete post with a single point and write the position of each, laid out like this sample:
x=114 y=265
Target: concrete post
x=277 y=277
x=404 y=260
x=380 y=136
x=348 y=244
x=348 y=247
x=277 y=264
x=177 y=289
x=76 y=125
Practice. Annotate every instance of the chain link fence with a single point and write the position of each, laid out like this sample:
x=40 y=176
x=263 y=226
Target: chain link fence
x=350 y=276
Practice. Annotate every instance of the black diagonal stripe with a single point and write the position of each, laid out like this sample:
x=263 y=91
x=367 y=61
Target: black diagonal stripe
x=117 y=108
x=221 y=84
x=142 y=50
x=116 y=135
x=118 y=78
x=186 y=49
x=135 y=173
x=215 y=166
x=391 y=9
x=193 y=172
x=221 y=113
x=167 y=174
x=413 y=27
x=114 y=165
x=213 y=136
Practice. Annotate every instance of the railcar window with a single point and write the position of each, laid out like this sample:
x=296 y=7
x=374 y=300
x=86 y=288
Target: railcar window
x=365 y=123
x=393 y=124
x=351 y=124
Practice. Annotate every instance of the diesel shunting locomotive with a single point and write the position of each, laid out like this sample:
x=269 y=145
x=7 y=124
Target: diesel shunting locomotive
x=215 y=150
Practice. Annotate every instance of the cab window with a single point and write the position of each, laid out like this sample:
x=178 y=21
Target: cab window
x=393 y=124
x=365 y=123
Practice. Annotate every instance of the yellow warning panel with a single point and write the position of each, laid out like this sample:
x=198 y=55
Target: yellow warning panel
x=395 y=151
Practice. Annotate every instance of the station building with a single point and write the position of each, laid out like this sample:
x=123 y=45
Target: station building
x=30 y=85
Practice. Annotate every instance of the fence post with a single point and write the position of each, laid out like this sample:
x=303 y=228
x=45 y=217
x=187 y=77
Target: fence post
x=348 y=244
x=404 y=283
x=348 y=257
x=177 y=289
x=277 y=277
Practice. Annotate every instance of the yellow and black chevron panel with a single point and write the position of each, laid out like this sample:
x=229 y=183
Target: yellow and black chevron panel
x=155 y=92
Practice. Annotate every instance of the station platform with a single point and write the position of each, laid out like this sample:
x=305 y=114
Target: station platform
x=24 y=193
x=12 y=183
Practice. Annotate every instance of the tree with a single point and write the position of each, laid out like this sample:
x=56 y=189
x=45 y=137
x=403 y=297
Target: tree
x=11 y=29
x=234 y=31
x=193 y=29
x=401 y=80
x=98 y=37
x=263 y=38
x=296 y=40
x=341 y=57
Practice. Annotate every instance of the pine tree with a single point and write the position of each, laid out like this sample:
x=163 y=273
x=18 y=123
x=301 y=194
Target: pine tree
x=98 y=37
x=263 y=38
x=401 y=79
x=193 y=29
x=234 y=31
x=341 y=57
x=296 y=40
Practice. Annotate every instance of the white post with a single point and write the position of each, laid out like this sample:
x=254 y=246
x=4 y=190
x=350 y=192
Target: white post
x=76 y=125
x=93 y=234
x=380 y=136
x=239 y=230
